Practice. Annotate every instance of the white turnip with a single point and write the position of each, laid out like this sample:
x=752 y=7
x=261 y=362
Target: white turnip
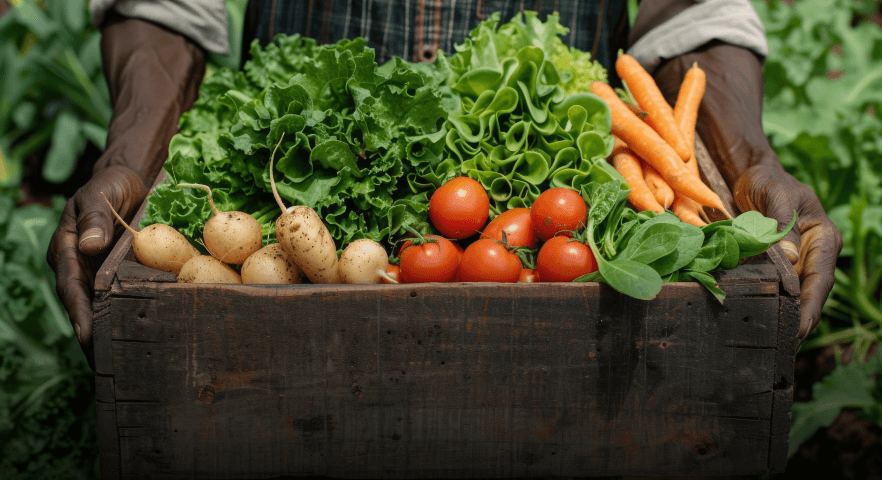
x=270 y=265
x=159 y=246
x=229 y=236
x=207 y=269
x=363 y=261
x=305 y=238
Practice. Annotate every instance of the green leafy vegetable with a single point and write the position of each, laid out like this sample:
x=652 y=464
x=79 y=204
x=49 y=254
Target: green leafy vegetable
x=363 y=143
x=659 y=249
x=520 y=126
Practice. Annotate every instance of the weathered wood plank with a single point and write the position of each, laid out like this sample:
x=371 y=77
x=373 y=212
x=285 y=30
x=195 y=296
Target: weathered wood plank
x=108 y=441
x=331 y=381
x=130 y=271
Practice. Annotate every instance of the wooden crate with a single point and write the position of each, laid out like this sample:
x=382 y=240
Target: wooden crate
x=443 y=380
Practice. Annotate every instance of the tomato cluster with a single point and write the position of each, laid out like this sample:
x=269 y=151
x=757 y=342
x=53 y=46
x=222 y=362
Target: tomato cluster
x=546 y=234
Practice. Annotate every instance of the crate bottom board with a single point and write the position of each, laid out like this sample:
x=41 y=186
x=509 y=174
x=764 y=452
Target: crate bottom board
x=439 y=382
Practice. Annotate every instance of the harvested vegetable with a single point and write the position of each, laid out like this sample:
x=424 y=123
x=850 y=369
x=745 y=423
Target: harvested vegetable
x=632 y=170
x=528 y=275
x=688 y=100
x=518 y=227
x=650 y=147
x=563 y=259
x=158 y=246
x=459 y=208
x=515 y=129
x=558 y=211
x=363 y=144
x=487 y=260
x=305 y=238
x=393 y=274
x=660 y=189
x=231 y=237
x=207 y=269
x=364 y=261
x=270 y=265
x=659 y=114
x=428 y=258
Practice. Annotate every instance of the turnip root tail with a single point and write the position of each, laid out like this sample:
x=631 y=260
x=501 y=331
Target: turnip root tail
x=384 y=275
x=273 y=180
x=203 y=187
x=123 y=222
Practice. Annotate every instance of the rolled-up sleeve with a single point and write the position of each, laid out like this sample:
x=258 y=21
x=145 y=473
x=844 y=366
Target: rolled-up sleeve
x=203 y=21
x=734 y=22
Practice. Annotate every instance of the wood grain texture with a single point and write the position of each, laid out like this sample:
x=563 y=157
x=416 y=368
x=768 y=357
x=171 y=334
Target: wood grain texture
x=443 y=381
x=711 y=176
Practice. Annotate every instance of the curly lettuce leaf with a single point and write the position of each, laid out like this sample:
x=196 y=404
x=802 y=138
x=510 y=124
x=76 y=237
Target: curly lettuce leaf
x=362 y=144
x=517 y=130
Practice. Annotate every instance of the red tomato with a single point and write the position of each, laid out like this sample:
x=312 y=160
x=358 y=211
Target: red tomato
x=459 y=208
x=558 y=210
x=394 y=272
x=517 y=226
x=458 y=261
x=487 y=260
x=528 y=276
x=562 y=259
x=429 y=262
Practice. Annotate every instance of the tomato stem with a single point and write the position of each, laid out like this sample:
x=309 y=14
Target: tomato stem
x=420 y=239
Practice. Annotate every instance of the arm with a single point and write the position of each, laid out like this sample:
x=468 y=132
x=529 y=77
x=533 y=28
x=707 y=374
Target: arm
x=730 y=123
x=154 y=76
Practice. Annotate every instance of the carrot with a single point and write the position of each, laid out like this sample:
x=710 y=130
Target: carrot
x=686 y=115
x=686 y=212
x=657 y=185
x=649 y=146
x=688 y=100
x=618 y=146
x=628 y=165
x=659 y=115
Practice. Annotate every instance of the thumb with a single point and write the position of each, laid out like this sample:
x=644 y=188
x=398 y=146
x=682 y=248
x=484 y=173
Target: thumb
x=95 y=226
x=95 y=218
x=758 y=191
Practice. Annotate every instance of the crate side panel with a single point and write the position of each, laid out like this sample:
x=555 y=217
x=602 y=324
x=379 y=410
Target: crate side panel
x=441 y=382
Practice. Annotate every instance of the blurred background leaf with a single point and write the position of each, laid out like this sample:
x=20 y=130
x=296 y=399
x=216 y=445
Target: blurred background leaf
x=53 y=104
x=823 y=93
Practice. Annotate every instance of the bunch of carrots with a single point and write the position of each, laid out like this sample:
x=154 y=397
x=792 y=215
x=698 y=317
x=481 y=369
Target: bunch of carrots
x=654 y=143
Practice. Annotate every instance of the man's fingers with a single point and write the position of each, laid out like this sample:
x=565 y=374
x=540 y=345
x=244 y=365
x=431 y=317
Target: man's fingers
x=73 y=278
x=95 y=227
x=124 y=190
x=76 y=296
x=820 y=247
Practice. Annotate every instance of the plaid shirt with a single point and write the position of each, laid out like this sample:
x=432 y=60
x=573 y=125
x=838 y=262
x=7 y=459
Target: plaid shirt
x=416 y=29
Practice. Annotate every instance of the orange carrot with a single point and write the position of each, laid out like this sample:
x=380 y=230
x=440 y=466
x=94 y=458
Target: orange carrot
x=688 y=101
x=649 y=146
x=629 y=166
x=659 y=114
x=686 y=211
x=686 y=115
x=662 y=191
x=618 y=146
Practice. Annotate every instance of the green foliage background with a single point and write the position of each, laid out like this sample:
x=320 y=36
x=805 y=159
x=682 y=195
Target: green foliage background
x=823 y=93
x=821 y=112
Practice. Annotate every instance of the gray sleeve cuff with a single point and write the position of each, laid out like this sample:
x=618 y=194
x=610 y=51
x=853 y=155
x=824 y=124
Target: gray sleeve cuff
x=203 y=21
x=731 y=21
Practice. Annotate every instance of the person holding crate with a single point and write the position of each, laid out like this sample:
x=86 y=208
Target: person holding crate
x=155 y=54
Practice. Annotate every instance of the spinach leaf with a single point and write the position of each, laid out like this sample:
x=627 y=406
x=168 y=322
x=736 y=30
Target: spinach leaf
x=687 y=248
x=708 y=281
x=652 y=243
x=711 y=253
